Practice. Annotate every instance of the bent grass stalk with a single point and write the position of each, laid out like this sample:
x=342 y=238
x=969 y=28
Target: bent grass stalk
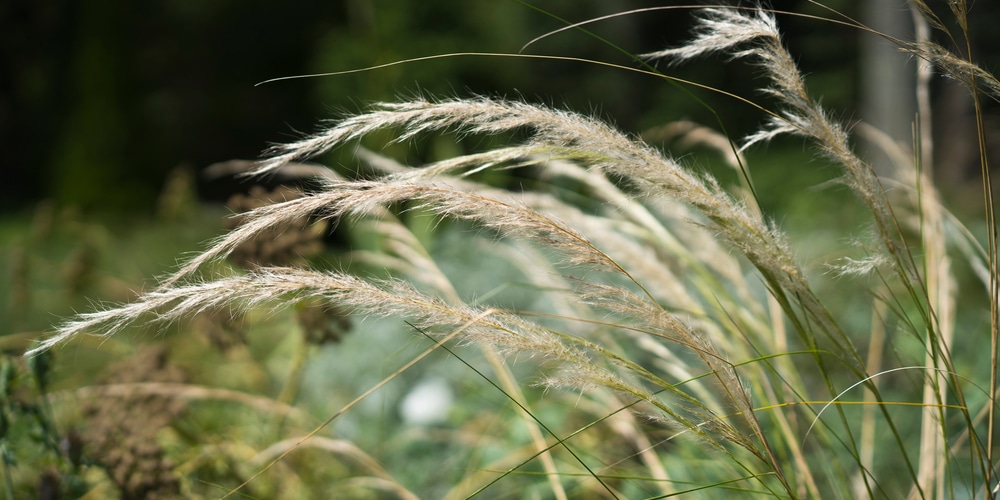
x=667 y=320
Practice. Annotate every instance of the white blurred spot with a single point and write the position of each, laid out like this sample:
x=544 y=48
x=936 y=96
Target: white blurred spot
x=427 y=403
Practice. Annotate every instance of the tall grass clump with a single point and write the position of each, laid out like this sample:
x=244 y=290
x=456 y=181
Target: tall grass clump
x=662 y=307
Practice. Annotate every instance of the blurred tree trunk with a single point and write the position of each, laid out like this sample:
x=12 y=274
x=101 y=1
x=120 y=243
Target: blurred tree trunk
x=888 y=89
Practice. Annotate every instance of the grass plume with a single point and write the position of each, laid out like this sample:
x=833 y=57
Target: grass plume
x=663 y=293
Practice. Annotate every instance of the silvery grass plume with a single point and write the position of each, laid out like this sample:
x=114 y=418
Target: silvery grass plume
x=756 y=37
x=666 y=320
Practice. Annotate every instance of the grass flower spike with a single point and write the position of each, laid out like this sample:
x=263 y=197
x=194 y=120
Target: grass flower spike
x=659 y=307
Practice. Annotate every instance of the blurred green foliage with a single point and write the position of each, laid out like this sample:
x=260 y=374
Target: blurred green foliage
x=105 y=99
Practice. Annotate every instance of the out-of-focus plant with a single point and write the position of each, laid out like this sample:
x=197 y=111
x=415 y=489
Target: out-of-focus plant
x=663 y=311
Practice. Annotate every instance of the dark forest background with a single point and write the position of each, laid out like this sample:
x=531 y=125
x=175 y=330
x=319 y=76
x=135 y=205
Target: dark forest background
x=110 y=110
x=99 y=100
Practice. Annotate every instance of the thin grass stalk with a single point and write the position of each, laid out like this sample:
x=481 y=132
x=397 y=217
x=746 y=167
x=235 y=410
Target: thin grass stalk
x=648 y=319
x=785 y=371
x=876 y=346
x=410 y=250
x=702 y=271
x=454 y=333
x=543 y=450
x=722 y=29
x=928 y=222
x=811 y=120
x=970 y=75
x=423 y=265
x=451 y=105
x=940 y=287
x=339 y=447
x=513 y=391
x=961 y=10
x=559 y=132
x=625 y=424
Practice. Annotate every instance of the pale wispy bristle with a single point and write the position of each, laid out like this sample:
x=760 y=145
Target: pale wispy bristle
x=756 y=36
x=645 y=280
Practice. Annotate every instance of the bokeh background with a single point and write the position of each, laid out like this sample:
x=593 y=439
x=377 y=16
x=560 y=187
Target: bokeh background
x=110 y=110
x=100 y=100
